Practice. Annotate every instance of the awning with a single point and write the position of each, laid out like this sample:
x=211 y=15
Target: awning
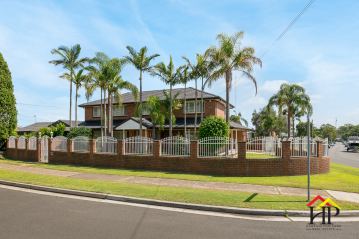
x=131 y=124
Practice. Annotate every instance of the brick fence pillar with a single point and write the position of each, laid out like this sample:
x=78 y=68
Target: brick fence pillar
x=38 y=149
x=156 y=148
x=194 y=149
x=49 y=147
x=16 y=150
x=120 y=149
x=320 y=149
x=26 y=148
x=92 y=143
x=69 y=148
x=286 y=155
x=242 y=150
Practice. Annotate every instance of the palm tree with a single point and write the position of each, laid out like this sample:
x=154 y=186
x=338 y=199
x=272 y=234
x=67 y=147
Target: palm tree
x=114 y=86
x=194 y=75
x=141 y=62
x=229 y=57
x=79 y=79
x=170 y=103
x=97 y=79
x=291 y=99
x=184 y=78
x=70 y=60
x=155 y=106
x=170 y=76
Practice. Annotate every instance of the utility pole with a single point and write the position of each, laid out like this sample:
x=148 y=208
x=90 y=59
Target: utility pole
x=308 y=155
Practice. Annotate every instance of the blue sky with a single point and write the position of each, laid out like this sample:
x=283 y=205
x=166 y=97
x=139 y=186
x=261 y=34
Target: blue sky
x=319 y=52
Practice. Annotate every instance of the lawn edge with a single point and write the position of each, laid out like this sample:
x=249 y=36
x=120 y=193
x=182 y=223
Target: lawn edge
x=152 y=202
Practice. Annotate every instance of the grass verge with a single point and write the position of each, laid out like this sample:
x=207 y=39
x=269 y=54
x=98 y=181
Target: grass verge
x=340 y=177
x=177 y=194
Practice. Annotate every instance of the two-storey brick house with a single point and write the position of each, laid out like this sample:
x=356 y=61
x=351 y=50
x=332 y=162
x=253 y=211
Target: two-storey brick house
x=126 y=124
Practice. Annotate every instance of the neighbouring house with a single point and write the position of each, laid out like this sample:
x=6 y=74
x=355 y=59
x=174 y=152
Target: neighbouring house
x=35 y=127
x=126 y=124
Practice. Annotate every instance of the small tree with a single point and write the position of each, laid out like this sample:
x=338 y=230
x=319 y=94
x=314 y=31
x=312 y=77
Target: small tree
x=8 y=114
x=79 y=131
x=213 y=127
x=56 y=130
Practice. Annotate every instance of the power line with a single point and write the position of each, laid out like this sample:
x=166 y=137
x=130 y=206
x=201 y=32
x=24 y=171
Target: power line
x=50 y=106
x=294 y=20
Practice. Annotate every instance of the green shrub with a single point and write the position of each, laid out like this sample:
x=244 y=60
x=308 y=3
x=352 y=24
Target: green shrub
x=80 y=131
x=57 y=130
x=213 y=127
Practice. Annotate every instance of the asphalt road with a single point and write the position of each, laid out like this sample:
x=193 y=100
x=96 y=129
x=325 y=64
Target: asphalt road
x=29 y=215
x=339 y=154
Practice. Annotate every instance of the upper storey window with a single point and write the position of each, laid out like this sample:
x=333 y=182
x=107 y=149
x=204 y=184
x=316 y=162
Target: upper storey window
x=96 y=111
x=190 y=106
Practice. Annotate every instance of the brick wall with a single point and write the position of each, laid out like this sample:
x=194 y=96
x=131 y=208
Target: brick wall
x=239 y=166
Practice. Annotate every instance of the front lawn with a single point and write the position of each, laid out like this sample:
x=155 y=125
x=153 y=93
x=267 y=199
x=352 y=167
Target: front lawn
x=340 y=177
x=178 y=194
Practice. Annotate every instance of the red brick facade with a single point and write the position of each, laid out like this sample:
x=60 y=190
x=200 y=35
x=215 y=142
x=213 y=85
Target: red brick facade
x=240 y=166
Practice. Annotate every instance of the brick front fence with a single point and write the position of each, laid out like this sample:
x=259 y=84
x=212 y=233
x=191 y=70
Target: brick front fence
x=286 y=164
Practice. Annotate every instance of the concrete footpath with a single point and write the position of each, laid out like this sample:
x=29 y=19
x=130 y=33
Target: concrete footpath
x=343 y=196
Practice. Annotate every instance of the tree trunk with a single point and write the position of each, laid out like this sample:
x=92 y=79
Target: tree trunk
x=228 y=87
x=185 y=110
x=195 y=110
x=105 y=114
x=288 y=123
x=101 y=113
x=293 y=128
x=170 y=134
x=110 y=115
x=202 y=108
x=140 y=102
x=70 y=111
x=76 y=96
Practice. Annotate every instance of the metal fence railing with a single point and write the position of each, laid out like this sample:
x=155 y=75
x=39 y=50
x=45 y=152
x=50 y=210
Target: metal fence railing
x=138 y=146
x=299 y=147
x=175 y=146
x=80 y=144
x=32 y=143
x=21 y=142
x=264 y=147
x=59 y=143
x=11 y=142
x=106 y=145
x=217 y=147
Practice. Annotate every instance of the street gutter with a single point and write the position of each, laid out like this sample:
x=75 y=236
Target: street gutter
x=200 y=207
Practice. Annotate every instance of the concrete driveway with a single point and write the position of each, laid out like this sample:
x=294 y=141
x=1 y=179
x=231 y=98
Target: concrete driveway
x=32 y=215
x=339 y=154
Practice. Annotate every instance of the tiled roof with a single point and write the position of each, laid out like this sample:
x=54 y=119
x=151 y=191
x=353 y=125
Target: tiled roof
x=190 y=94
x=37 y=126
x=34 y=127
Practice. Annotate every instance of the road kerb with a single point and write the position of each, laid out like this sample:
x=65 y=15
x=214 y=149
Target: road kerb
x=200 y=207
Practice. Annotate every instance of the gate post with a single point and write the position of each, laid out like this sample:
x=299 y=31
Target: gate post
x=16 y=149
x=69 y=148
x=38 y=148
x=242 y=150
x=156 y=149
x=120 y=148
x=49 y=147
x=194 y=149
